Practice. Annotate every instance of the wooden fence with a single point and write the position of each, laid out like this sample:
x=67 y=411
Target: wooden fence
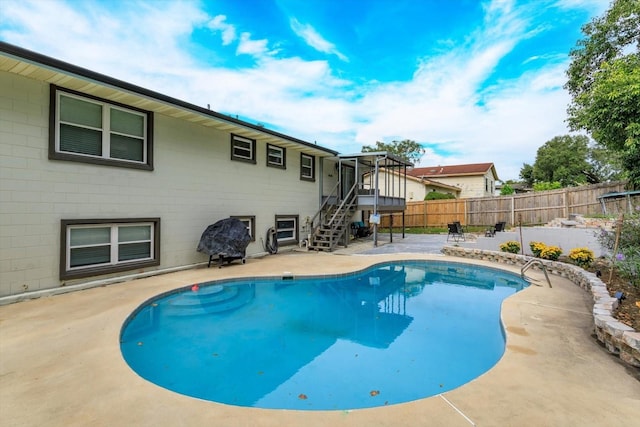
x=529 y=208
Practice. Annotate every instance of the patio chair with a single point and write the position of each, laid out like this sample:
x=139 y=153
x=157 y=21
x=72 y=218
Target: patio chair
x=456 y=232
x=491 y=232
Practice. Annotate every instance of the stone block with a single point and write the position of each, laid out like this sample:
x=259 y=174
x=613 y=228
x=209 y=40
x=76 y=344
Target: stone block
x=630 y=359
x=601 y=311
x=617 y=329
x=601 y=321
x=632 y=339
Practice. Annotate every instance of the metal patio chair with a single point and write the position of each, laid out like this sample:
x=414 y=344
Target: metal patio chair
x=456 y=232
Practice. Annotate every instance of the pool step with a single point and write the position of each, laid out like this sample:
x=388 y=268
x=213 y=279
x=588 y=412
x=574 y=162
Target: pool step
x=210 y=301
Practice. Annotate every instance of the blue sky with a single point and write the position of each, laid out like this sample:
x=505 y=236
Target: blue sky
x=472 y=81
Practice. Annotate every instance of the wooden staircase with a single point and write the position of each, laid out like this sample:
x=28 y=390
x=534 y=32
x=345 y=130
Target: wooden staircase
x=332 y=222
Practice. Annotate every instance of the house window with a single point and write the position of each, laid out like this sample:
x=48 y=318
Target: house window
x=250 y=222
x=287 y=229
x=276 y=156
x=94 y=247
x=93 y=130
x=307 y=167
x=243 y=149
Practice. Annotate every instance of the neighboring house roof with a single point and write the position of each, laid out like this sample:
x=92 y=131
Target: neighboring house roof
x=433 y=183
x=40 y=67
x=454 y=170
x=425 y=181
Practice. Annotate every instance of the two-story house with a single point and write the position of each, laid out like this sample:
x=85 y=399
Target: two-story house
x=102 y=179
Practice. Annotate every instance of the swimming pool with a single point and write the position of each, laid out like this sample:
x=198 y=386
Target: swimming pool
x=392 y=333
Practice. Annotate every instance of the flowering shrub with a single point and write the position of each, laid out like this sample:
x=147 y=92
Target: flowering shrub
x=627 y=257
x=583 y=257
x=511 y=246
x=629 y=264
x=551 y=252
x=540 y=250
x=536 y=248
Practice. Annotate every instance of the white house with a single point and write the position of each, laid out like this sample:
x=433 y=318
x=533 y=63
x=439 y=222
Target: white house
x=474 y=180
x=101 y=178
x=417 y=188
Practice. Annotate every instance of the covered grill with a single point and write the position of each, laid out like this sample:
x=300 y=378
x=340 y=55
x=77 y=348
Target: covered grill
x=226 y=240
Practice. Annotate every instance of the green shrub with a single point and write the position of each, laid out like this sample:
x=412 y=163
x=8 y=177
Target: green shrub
x=436 y=195
x=511 y=246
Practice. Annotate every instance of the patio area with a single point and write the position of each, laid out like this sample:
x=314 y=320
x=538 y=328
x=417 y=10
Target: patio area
x=60 y=360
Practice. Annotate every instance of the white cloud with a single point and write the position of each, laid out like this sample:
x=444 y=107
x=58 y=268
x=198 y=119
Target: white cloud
x=446 y=104
x=228 y=31
x=139 y=41
x=251 y=47
x=315 y=40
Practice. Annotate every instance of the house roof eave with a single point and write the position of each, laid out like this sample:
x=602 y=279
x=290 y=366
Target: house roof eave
x=40 y=67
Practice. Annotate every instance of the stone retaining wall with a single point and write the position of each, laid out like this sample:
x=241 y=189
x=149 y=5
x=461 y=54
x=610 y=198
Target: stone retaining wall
x=618 y=338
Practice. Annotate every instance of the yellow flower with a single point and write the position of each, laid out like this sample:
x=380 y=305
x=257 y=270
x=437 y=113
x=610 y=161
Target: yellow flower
x=551 y=252
x=512 y=246
x=583 y=257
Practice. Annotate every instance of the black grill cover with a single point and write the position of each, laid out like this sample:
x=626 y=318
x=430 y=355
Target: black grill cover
x=228 y=238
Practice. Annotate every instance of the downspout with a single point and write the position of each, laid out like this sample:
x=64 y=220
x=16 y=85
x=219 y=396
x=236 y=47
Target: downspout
x=321 y=186
x=358 y=181
x=404 y=196
x=375 y=207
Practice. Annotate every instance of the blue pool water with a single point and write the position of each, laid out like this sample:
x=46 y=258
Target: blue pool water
x=392 y=333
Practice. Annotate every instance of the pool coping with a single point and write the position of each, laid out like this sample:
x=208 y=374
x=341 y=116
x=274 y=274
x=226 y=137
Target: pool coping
x=618 y=338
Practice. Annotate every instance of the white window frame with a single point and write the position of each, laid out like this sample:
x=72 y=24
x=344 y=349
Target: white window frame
x=240 y=145
x=105 y=157
x=280 y=155
x=290 y=233
x=114 y=265
x=307 y=172
x=250 y=222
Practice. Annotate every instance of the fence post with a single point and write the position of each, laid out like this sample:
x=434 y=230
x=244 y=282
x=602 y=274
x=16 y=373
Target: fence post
x=513 y=210
x=466 y=212
x=424 y=214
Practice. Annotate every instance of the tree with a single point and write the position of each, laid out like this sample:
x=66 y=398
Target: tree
x=506 y=190
x=406 y=149
x=546 y=186
x=526 y=174
x=604 y=83
x=562 y=159
x=573 y=160
x=605 y=165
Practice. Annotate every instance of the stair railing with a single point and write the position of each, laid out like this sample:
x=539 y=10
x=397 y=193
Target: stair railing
x=337 y=223
x=333 y=222
x=316 y=221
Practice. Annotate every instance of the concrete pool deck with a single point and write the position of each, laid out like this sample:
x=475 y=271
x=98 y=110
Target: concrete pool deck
x=60 y=361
